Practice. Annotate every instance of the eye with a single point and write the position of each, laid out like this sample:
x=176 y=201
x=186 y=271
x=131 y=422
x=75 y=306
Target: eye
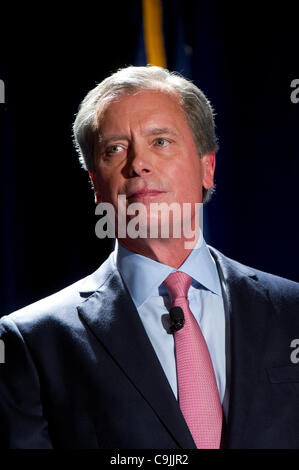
x=113 y=149
x=161 y=142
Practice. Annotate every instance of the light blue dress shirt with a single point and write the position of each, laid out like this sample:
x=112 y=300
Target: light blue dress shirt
x=144 y=277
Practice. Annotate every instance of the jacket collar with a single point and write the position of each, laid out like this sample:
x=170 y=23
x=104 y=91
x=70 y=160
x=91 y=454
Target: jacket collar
x=226 y=265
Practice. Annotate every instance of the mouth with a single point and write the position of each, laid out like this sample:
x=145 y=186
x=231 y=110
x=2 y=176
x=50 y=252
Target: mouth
x=143 y=194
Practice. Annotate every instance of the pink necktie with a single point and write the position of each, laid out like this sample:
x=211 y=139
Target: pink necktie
x=197 y=388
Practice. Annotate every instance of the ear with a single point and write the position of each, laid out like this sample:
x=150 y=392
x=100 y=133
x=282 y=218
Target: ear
x=208 y=169
x=97 y=194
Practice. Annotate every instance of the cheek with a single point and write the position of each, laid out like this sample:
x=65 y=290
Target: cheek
x=111 y=188
x=189 y=182
x=189 y=174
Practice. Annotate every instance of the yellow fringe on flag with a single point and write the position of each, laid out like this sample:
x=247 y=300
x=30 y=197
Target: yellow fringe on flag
x=153 y=32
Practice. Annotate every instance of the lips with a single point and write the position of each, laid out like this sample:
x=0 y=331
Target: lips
x=144 y=193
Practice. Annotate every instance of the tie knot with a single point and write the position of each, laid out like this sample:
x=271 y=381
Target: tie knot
x=177 y=284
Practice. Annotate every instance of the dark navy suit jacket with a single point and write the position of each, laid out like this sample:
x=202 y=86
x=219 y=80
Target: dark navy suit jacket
x=80 y=371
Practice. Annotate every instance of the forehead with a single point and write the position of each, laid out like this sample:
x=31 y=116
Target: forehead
x=142 y=107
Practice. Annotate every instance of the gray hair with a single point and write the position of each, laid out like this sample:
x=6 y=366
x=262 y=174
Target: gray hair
x=197 y=109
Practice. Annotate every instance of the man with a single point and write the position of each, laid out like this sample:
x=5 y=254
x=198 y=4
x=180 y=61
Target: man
x=167 y=345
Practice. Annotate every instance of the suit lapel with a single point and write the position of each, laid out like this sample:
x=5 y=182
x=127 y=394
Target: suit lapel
x=112 y=316
x=247 y=312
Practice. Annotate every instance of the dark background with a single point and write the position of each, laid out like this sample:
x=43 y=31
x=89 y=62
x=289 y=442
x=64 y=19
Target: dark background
x=242 y=56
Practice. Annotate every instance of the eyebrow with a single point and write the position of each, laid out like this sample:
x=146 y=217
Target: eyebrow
x=106 y=140
x=161 y=130
x=150 y=132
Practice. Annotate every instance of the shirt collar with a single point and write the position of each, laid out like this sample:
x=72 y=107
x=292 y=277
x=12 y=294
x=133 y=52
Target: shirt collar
x=143 y=275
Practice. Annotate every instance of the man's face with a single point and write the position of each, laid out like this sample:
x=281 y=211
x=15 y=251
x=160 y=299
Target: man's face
x=146 y=152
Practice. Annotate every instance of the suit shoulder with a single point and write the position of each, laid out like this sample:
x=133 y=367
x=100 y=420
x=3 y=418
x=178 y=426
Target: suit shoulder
x=58 y=307
x=280 y=289
x=277 y=286
x=275 y=281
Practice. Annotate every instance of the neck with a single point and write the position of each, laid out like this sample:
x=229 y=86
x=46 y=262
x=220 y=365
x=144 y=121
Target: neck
x=171 y=251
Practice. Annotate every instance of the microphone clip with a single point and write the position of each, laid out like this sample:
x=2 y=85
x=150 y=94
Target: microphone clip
x=177 y=319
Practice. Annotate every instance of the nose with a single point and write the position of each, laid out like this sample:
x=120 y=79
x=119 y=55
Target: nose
x=139 y=161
